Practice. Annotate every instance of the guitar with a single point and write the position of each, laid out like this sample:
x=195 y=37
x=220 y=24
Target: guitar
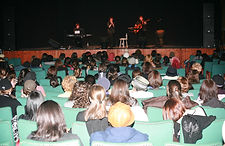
x=139 y=26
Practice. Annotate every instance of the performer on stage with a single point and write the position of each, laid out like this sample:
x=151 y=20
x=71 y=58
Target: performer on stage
x=140 y=29
x=79 y=34
x=111 y=32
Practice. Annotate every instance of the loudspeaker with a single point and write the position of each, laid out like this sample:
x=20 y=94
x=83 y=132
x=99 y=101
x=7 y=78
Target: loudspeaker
x=208 y=25
x=9 y=38
x=54 y=44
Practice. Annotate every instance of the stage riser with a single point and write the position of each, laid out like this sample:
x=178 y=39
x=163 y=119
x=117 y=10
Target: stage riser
x=182 y=53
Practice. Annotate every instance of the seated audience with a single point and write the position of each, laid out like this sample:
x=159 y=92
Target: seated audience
x=59 y=66
x=34 y=100
x=79 y=97
x=90 y=79
x=175 y=110
x=146 y=69
x=51 y=126
x=136 y=72
x=121 y=119
x=96 y=115
x=198 y=55
x=21 y=76
x=67 y=85
x=185 y=86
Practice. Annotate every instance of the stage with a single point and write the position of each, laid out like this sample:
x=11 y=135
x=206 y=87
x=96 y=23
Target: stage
x=183 y=53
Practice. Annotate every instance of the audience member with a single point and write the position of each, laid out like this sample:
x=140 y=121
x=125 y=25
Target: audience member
x=121 y=119
x=67 y=85
x=79 y=97
x=34 y=100
x=96 y=115
x=155 y=80
x=51 y=125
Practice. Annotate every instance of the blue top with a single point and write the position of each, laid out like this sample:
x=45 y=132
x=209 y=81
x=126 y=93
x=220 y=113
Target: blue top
x=119 y=135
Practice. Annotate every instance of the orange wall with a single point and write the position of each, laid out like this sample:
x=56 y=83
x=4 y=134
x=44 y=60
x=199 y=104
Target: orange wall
x=182 y=53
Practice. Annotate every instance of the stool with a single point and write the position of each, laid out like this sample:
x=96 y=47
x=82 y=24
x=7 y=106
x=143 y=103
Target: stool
x=124 y=42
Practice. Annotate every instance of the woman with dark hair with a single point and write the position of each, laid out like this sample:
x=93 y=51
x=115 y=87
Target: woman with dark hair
x=52 y=72
x=79 y=97
x=146 y=69
x=67 y=62
x=51 y=125
x=166 y=60
x=59 y=66
x=120 y=93
x=34 y=100
x=22 y=75
x=155 y=79
x=113 y=73
x=208 y=94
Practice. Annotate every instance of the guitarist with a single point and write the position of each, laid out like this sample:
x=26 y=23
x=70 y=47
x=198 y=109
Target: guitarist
x=140 y=29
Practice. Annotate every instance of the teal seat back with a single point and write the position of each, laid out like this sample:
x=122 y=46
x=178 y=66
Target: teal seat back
x=40 y=75
x=165 y=82
x=20 y=110
x=159 y=132
x=207 y=67
x=188 y=144
x=44 y=82
x=154 y=114
x=70 y=115
x=92 y=72
x=79 y=128
x=22 y=100
x=195 y=94
x=218 y=69
x=6 y=113
x=6 y=134
x=158 y=92
x=181 y=72
x=61 y=74
x=15 y=61
x=211 y=134
x=59 y=100
x=25 y=127
x=29 y=142
x=218 y=112
x=196 y=86
x=58 y=89
x=122 y=69
x=98 y=143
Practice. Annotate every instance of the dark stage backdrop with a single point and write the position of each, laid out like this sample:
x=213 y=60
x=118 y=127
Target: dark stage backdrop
x=38 y=21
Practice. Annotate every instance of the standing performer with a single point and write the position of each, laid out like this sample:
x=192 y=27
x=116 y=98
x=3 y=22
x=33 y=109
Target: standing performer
x=111 y=32
x=79 y=34
x=140 y=29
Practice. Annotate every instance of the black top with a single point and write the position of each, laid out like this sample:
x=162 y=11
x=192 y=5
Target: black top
x=6 y=100
x=93 y=125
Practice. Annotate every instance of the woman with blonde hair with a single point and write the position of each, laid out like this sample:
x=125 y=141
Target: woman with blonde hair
x=96 y=115
x=67 y=85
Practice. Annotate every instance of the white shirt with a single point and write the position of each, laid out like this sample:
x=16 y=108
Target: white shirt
x=140 y=94
x=69 y=104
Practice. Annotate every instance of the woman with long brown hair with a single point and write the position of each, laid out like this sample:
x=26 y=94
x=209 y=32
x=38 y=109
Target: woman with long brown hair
x=208 y=94
x=51 y=124
x=120 y=93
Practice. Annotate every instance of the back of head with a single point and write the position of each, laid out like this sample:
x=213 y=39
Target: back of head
x=147 y=68
x=174 y=89
x=36 y=62
x=193 y=77
x=34 y=100
x=136 y=72
x=197 y=66
x=208 y=90
x=173 y=109
x=184 y=84
x=58 y=63
x=54 y=81
x=119 y=92
x=50 y=122
x=80 y=94
x=68 y=83
x=90 y=79
x=97 y=109
x=155 y=79
x=22 y=74
x=29 y=86
x=62 y=56
x=52 y=71
x=219 y=80
x=120 y=115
